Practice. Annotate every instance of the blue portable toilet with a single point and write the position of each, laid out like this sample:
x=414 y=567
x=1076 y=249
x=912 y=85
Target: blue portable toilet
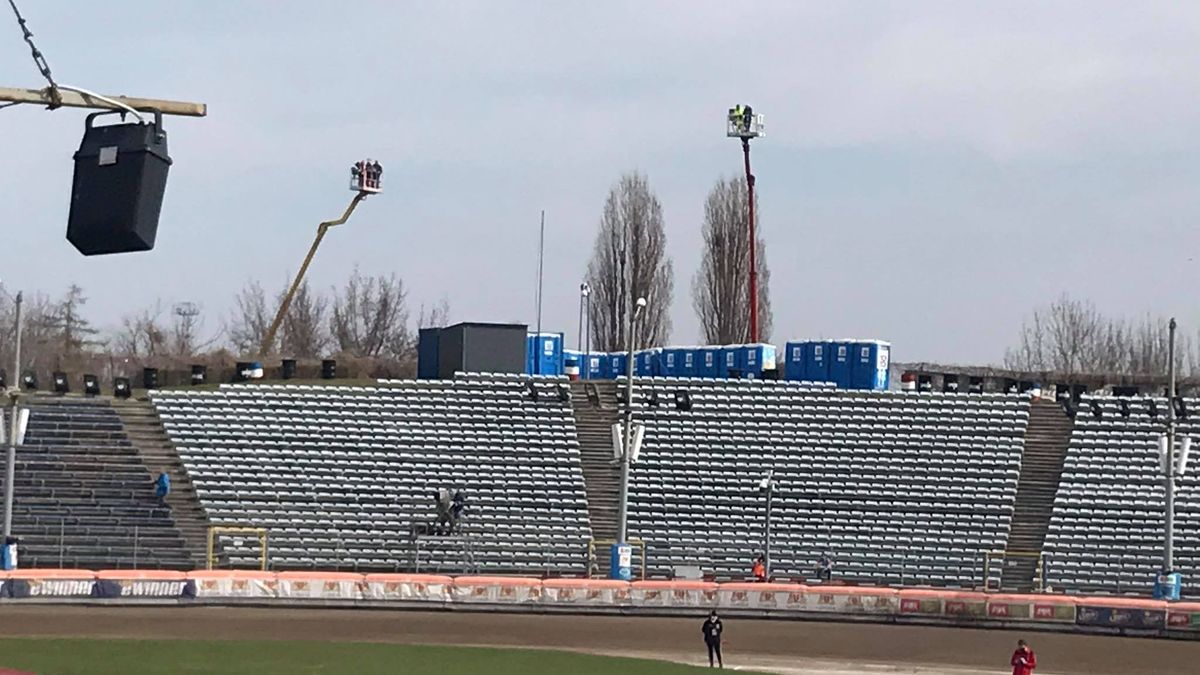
x=690 y=365
x=817 y=356
x=544 y=354
x=593 y=366
x=668 y=361
x=648 y=363
x=841 y=363
x=754 y=359
x=793 y=360
x=708 y=362
x=616 y=365
x=729 y=361
x=870 y=365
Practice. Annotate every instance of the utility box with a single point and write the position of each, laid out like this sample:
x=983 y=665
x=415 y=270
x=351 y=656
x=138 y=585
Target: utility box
x=427 y=353
x=118 y=186
x=481 y=348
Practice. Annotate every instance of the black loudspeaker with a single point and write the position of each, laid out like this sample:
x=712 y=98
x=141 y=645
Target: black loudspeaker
x=199 y=374
x=149 y=378
x=118 y=186
x=950 y=383
x=288 y=369
x=91 y=385
x=683 y=400
x=924 y=383
x=61 y=384
x=29 y=380
x=975 y=385
x=122 y=388
x=328 y=369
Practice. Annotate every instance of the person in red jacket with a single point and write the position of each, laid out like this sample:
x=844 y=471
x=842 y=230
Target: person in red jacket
x=1023 y=660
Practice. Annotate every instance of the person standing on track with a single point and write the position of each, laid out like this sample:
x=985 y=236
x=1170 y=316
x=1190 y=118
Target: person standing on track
x=712 y=638
x=1023 y=659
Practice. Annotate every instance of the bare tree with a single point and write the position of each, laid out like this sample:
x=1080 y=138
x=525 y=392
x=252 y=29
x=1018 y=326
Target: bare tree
x=370 y=317
x=141 y=334
x=436 y=316
x=1072 y=336
x=720 y=289
x=250 y=319
x=632 y=217
x=304 y=332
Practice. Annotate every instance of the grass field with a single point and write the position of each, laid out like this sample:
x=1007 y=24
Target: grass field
x=135 y=657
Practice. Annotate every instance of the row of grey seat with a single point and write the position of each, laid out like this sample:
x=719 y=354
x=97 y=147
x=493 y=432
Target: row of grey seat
x=341 y=475
x=1106 y=531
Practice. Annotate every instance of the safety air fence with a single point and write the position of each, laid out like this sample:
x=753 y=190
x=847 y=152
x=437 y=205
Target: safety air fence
x=485 y=593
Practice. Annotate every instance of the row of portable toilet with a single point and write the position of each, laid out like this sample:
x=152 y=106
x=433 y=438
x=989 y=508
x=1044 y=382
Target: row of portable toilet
x=848 y=364
x=732 y=361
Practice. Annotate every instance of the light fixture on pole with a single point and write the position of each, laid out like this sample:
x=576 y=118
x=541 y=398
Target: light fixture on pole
x=584 y=291
x=767 y=487
x=621 y=567
x=1169 y=582
x=741 y=122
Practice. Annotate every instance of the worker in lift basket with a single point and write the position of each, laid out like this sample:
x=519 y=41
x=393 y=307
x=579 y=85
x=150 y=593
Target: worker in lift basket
x=1023 y=659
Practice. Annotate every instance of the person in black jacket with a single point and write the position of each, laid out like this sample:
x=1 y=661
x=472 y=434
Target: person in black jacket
x=712 y=637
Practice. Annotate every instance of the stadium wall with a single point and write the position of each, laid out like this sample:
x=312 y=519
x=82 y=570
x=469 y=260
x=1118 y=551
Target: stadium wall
x=1116 y=615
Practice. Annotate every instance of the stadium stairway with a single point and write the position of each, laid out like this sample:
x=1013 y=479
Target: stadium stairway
x=1046 y=441
x=84 y=497
x=602 y=478
x=145 y=430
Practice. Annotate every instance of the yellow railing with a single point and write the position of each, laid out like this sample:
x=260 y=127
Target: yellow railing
x=215 y=531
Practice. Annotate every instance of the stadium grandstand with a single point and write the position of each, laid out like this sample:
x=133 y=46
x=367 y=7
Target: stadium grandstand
x=987 y=491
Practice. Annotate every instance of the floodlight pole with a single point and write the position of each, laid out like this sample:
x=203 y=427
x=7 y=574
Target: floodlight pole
x=769 y=488
x=753 y=243
x=269 y=338
x=627 y=444
x=1169 y=464
x=10 y=459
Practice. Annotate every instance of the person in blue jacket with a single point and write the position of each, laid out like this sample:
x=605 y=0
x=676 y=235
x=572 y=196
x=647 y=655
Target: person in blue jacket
x=162 y=488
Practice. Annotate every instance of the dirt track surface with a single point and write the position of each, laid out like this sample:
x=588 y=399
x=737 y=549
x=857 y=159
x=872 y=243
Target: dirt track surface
x=782 y=646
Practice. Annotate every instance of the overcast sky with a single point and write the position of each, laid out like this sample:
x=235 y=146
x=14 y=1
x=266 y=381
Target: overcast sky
x=932 y=171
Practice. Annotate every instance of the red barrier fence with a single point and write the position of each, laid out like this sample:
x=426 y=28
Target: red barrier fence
x=961 y=607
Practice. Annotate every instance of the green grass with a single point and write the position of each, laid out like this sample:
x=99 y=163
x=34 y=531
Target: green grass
x=135 y=657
